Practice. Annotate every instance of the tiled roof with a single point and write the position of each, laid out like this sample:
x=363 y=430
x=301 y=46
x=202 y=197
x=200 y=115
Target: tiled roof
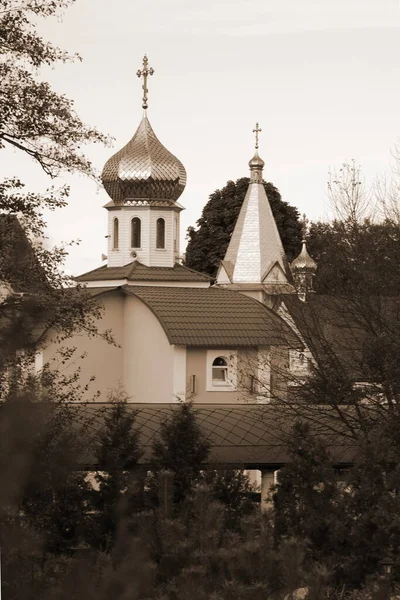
x=136 y=271
x=247 y=435
x=214 y=317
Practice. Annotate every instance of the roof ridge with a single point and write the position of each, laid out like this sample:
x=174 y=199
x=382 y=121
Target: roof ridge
x=208 y=277
x=135 y=264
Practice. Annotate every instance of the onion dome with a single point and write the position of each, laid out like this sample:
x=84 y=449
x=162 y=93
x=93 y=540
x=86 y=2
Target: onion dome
x=303 y=262
x=144 y=170
x=256 y=162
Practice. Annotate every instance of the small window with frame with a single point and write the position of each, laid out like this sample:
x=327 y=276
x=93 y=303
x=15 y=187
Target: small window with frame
x=220 y=371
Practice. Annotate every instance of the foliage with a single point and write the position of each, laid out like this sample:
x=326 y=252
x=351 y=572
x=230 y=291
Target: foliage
x=43 y=499
x=55 y=493
x=360 y=258
x=41 y=123
x=334 y=521
x=182 y=449
x=35 y=119
x=232 y=488
x=117 y=452
x=306 y=493
x=208 y=243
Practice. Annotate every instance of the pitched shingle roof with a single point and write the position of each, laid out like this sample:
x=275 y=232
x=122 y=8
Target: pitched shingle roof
x=136 y=271
x=214 y=317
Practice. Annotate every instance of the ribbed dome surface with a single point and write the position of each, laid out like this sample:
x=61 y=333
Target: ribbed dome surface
x=144 y=169
x=256 y=162
x=303 y=261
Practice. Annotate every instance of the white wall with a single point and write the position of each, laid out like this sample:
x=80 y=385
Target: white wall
x=148 y=361
x=102 y=360
x=148 y=254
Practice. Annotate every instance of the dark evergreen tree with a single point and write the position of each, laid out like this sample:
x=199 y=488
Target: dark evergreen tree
x=182 y=449
x=232 y=488
x=208 y=242
x=117 y=453
x=55 y=492
x=305 y=496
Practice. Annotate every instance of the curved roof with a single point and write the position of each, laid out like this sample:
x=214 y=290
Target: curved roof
x=247 y=435
x=144 y=169
x=214 y=317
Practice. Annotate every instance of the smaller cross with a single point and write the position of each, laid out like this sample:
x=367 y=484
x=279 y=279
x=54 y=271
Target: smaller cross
x=257 y=130
x=304 y=227
x=145 y=72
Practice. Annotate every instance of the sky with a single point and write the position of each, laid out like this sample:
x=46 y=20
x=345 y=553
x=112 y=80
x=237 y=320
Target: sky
x=321 y=78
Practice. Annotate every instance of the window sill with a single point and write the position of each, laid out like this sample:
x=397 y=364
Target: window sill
x=222 y=388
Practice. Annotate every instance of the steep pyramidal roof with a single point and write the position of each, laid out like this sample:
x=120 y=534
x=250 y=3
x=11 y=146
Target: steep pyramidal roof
x=255 y=246
x=255 y=253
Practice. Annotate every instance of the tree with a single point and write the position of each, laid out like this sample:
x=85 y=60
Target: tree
x=117 y=453
x=208 y=243
x=43 y=124
x=55 y=492
x=356 y=258
x=232 y=488
x=34 y=118
x=358 y=252
x=349 y=196
x=182 y=449
x=306 y=492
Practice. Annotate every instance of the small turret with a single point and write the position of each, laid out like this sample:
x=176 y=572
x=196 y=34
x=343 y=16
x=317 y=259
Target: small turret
x=303 y=269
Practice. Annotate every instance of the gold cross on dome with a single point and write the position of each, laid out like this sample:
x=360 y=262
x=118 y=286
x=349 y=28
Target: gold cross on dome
x=145 y=72
x=304 y=226
x=257 y=130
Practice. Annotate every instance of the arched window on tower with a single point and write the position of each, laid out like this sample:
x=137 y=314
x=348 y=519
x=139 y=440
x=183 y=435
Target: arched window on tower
x=160 y=235
x=115 y=234
x=136 y=233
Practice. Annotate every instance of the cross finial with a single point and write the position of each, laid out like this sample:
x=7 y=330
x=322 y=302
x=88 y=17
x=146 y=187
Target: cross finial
x=145 y=72
x=257 y=130
x=304 y=227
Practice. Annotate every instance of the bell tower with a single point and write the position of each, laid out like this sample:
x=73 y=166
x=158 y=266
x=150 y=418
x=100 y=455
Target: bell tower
x=144 y=181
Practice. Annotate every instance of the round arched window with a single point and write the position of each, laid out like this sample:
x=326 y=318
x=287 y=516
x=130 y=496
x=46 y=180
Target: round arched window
x=220 y=370
x=136 y=232
x=116 y=234
x=160 y=234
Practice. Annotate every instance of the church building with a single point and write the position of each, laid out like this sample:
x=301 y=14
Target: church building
x=177 y=335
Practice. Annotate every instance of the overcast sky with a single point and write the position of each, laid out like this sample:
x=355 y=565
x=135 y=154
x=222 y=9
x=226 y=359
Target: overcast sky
x=321 y=77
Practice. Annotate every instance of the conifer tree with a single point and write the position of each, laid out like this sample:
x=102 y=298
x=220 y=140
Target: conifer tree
x=117 y=453
x=306 y=492
x=182 y=449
